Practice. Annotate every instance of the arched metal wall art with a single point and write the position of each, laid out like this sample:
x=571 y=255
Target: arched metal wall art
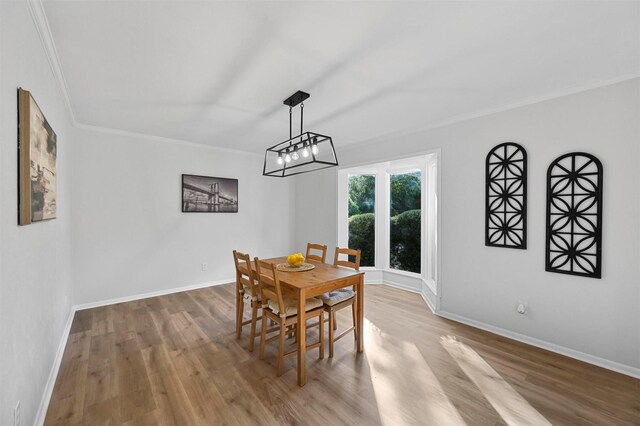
x=506 y=196
x=574 y=215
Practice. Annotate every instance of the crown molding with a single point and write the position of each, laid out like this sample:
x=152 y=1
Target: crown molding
x=38 y=14
x=490 y=111
x=36 y=8
x=153 y=138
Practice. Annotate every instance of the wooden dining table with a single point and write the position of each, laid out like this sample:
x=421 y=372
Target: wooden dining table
x=322 y=279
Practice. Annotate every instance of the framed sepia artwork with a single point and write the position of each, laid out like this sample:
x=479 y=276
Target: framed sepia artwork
x=37 y=152
x=204 y=194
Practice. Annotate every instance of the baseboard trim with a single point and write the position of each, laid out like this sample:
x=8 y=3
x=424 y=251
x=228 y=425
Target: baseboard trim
x=53 y=374
x=90 y=305
x=562 y=350
x=400 y=286
x=395 y=285
x=581 y=356
x=409 y=289
x=428 y=302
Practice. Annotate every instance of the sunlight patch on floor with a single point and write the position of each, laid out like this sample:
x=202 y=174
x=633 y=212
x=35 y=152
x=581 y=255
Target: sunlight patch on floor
x=404 y=384
x=512 y=407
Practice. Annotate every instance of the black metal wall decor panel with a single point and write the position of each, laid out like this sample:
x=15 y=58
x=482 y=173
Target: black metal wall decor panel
x=506 y=197
x=574 y=215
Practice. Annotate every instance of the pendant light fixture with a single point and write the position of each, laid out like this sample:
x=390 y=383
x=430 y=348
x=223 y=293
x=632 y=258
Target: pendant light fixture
x=306 y=152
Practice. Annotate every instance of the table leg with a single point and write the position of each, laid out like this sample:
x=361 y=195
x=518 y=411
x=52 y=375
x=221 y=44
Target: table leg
x=360 y=309
x=302 y=338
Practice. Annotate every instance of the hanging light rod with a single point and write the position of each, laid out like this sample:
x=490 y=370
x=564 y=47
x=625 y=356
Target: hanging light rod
x=302 y=153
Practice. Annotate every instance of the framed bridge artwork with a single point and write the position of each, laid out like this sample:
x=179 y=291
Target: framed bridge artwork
x=37 y=153
x=204 y=194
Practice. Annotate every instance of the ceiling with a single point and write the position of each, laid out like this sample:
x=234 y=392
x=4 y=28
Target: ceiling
x=216 y=73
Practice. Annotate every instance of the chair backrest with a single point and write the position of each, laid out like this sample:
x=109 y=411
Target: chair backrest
x=317 y=247
x=347 y=263
x=244 y=273
x=269 y=284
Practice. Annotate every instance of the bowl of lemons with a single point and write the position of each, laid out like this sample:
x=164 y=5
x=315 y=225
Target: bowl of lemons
x=295 y=260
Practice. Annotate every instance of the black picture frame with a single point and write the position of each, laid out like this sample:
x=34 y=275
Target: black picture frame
x=506 y=196
x=574 y=215
x=209 y=194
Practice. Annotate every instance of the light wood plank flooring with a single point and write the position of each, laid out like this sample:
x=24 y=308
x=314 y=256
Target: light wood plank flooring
x=175 y=360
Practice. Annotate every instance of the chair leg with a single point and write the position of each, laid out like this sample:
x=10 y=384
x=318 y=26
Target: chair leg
x=254 y=316
x=355 y=325
x=239 y=312
x=321 y=325
x=281 y=337
x=263 y=334
x=331 y=321
x=335 y=323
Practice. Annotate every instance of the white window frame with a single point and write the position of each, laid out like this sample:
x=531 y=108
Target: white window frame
x=397 y=170
x=427 y=163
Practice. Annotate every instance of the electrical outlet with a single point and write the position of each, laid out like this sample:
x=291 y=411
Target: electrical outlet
x=522 y=307
x=16 y=415
x=204 y=267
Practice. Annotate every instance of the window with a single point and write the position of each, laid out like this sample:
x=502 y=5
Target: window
x=362 y=220
x=389 y=210
x=405 y=227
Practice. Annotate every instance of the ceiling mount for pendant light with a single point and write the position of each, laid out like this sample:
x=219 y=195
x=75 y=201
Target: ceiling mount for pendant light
x=306 y=152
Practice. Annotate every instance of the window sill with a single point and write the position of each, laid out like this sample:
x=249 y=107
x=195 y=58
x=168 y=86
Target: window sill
x=392 y=271
x=405 y=273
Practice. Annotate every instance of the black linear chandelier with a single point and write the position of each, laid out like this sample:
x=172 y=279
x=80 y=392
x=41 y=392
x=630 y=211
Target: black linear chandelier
x=304 y=153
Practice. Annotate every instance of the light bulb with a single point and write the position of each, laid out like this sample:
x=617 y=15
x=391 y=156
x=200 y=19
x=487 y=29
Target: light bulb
x=305 y=151
x=295 y=155
x=314 y=149
x=287 y=158
x=280 y=160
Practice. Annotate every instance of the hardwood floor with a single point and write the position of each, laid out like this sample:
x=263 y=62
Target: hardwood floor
x=175 y=360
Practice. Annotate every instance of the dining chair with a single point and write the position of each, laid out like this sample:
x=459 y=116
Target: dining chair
x=283 y=310
x=246 y=291
x=341 y=298
x=316 y=257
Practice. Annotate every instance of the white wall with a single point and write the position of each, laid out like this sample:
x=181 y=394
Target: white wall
x=600 y=318
x=130 y=236
x=35 y=262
